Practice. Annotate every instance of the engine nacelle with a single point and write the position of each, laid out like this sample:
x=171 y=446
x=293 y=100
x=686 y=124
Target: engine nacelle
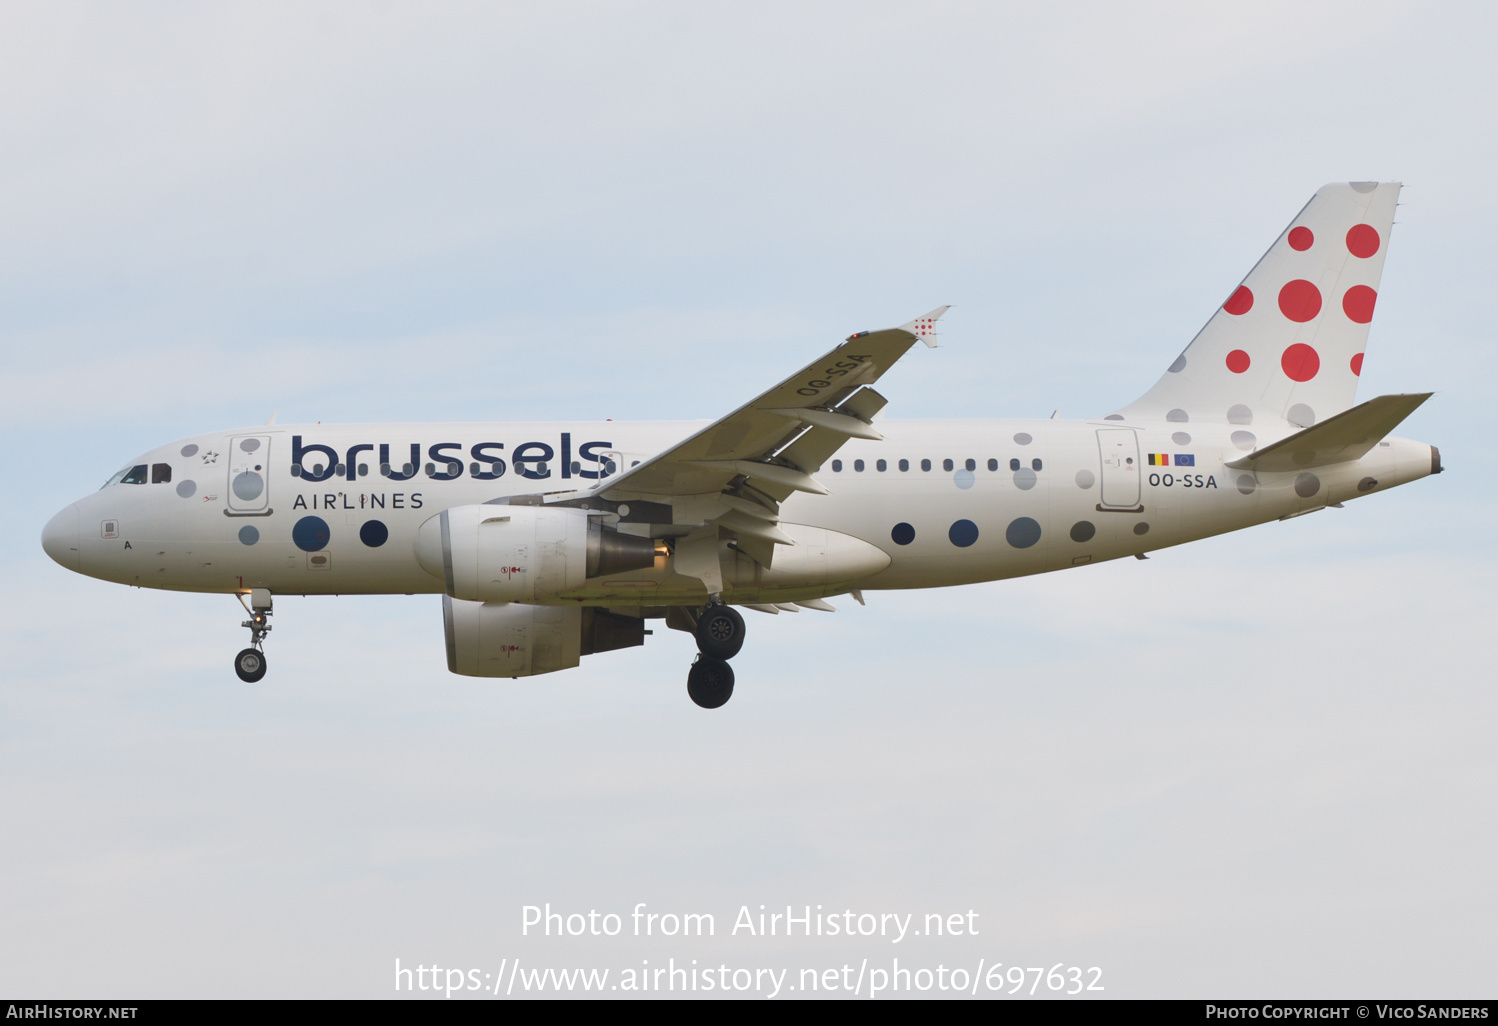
x=500 y=639
x=523 y=553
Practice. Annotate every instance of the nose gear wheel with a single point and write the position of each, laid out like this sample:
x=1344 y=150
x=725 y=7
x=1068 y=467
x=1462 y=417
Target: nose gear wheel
x=249 y=665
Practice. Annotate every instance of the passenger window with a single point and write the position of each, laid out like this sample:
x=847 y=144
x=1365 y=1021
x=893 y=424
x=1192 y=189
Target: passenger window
x=161 y=473
x=904 y=465
x=971 y=464
x=925 y=464
x=881 y=466
x=837 y=466
x=858 y=466
x=1014 y=464
x=946 y=464
x=135 y=475
x=1035 y=464
x=993 y=464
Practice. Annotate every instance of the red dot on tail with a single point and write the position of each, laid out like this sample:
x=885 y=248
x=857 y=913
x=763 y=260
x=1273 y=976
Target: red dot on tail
x=1358 y=302
x=1300 y=362
x=1362 y=240
x=1357 y=364
x=1301 y=239
x=1239 y=302
x=1300 y=300
x=1238 y=361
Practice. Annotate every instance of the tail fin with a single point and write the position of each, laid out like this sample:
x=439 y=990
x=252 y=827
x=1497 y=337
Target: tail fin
x=1288 y=343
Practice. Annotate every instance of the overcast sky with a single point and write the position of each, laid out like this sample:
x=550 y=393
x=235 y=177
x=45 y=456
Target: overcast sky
x=1259 y=765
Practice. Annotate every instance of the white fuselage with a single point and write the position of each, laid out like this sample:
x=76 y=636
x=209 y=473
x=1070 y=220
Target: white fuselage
x=940 y=526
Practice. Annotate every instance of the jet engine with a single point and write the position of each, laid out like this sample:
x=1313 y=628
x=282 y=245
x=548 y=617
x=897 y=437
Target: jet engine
x=504 y=639
x=523 y=553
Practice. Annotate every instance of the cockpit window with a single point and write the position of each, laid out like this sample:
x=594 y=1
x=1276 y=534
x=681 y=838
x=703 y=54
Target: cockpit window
x=161 y=473
x=135 y=475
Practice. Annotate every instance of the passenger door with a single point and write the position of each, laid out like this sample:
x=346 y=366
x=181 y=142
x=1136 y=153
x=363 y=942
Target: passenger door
x=249 y=474
x=1119 y=452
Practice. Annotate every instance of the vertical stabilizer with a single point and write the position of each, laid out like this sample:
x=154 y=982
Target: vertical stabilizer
x=1288 y=343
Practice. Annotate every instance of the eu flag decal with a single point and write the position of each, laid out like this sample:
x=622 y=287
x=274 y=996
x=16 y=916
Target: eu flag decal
x=1185 y=459
x=1165 y=459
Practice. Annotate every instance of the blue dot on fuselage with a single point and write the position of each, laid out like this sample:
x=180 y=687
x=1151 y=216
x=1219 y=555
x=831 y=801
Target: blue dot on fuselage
x=963 y=533
x=903 y=534
x=248 y=534
x=373 y=533
x=311 y=534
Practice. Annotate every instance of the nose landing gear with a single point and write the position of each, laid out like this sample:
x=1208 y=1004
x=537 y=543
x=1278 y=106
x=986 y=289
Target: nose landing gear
x=720 y=635
x=250 y=663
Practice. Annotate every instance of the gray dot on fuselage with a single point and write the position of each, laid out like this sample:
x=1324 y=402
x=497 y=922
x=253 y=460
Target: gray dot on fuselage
x=1114 y=416
x=1086 y=479
x=1246 y=484
x=186 y=488
x=1301 y=415
x=1307 y=485
x=963 y=478
x=189 y=450
x=1367 y=484
x=1178 y=365
x=1024 y=478
x=1181 y=438
x=1082 y=531
x=1141 y=528
x=248 y=485
x=249 y=534
x=1240 y=414
x=1024 y=439
x=1022 y=532
x=1244 y=440
x=250 y=444
x=1177 y=416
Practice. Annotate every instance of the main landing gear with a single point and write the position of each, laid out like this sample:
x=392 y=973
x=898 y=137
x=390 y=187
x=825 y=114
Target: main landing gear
x=250 y=663
x=720 y=635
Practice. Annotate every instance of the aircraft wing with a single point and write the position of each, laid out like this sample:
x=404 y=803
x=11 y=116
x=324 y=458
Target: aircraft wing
x=1347 y=436
x=734 y=473
x=776 y=440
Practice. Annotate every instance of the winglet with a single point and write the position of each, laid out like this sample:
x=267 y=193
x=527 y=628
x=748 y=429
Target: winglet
x=924 y=328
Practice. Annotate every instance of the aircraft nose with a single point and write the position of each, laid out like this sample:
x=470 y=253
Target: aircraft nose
x=60 y=538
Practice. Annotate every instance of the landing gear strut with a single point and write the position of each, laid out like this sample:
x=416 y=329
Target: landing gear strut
x=720 y=635
x=250 y=663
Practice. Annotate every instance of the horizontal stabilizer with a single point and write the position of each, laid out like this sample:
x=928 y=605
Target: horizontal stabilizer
x=1340 y=439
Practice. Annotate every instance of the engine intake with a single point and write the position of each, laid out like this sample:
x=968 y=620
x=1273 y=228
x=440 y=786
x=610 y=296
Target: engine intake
x=523 y=553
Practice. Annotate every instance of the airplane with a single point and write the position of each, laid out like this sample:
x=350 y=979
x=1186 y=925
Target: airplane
x=553 y=541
